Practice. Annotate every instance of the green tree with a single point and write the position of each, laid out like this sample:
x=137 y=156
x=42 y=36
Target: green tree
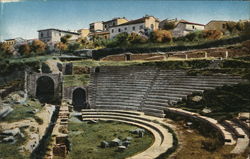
x=65 y=38
x=246 y=30
x=122 y=39
x=231 y=27
x=24 y=50
x=74 y=46
x=169 y=25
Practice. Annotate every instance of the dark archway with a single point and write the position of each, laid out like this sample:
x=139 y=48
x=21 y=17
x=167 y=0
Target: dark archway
x=79 y=99
x=45 y=89
x=97 y=69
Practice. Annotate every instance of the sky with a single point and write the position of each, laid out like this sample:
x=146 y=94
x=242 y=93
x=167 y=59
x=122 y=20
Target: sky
x=24 y=18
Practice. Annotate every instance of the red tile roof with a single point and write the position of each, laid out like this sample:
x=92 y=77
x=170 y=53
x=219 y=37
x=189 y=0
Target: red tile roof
x=187 y=22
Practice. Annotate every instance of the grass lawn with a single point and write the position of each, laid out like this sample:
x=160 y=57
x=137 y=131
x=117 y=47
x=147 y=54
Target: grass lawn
x=75 y=80
x=20 y=111
x=86 y=139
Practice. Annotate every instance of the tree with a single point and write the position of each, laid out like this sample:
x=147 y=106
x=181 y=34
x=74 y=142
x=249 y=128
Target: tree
x=38 y=46
x=160 y=36
x=169 y=25
x=6 y=50
x=122 y=38
x=65 y=38
x=246 y=31
x=231 y=27
x=24 y=49
x=74 y=46
x=61 y=47
x=212 y=34
x=135 y=38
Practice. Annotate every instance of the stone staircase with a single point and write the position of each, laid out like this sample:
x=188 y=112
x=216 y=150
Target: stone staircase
x=120 y=88
x=171 y=86
x=148 y=89
x=163 y=138
x=240 y=135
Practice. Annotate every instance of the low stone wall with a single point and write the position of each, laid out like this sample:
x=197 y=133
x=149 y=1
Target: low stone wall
x=201 y=53
x=225 y=135
x=132 y=57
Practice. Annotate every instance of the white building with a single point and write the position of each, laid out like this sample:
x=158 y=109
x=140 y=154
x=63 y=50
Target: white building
x=140 y=26
x=54 y=35
x=184 y=27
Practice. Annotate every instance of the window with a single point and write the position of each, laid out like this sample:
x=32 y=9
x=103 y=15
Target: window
x=133 y=28
x=193 y=27
x=141 y=27
x=41 y=35
x=125 y=28
x=119 y=30
x=112 y=30
x=152 y=26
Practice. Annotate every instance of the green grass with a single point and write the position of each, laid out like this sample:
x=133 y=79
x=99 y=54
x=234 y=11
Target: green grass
x=86 y=139
x=75 y=80
x=20 y=111
x=94 y=63
x=10 y=151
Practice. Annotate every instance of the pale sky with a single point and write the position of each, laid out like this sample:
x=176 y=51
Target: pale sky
x=24 y=18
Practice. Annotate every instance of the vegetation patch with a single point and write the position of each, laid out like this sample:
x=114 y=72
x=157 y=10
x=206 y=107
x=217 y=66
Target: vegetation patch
x=11 y=150
x=23 y=111
x=86 y=139
x=75 y=80
x=224 y=102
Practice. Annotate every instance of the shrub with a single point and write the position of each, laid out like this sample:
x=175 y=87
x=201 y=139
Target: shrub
x=135 y=38
x=38 y=46
x=74 y=46
x=169 y=25
x=212 y=34
x=194 y=36
x=24 y=49
x=160 y=36
x=38 y=120
x=246 y=44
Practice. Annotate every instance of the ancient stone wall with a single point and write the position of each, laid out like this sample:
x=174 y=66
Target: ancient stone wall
x=31 y=83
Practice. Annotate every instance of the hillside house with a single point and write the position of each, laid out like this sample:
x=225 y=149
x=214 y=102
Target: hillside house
x=184 y=27
x=141 y=26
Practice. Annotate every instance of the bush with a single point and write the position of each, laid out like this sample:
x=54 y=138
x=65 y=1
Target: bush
x=160 y=36
x=212 y=34
x=38 y=120
x=38 y=46
x=194 y=36
x=135 y=38
x=24 y=50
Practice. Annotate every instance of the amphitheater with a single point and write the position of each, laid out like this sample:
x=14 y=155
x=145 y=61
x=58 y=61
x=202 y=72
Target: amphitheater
x=145 y=96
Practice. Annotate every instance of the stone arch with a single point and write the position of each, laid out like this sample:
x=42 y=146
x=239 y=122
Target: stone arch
x=79 y=97
x=45 y=89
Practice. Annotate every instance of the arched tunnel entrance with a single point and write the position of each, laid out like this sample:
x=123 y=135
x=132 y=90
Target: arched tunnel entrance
x=79 y=99
x=45 y=89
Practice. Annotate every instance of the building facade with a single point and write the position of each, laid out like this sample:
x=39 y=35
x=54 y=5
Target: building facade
x=141 y=26
x=54 y=35
x=83 y=33
x=114 y=22
x=99 y=35
x=96 y=26
x=184 y=27
x=217 y=25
